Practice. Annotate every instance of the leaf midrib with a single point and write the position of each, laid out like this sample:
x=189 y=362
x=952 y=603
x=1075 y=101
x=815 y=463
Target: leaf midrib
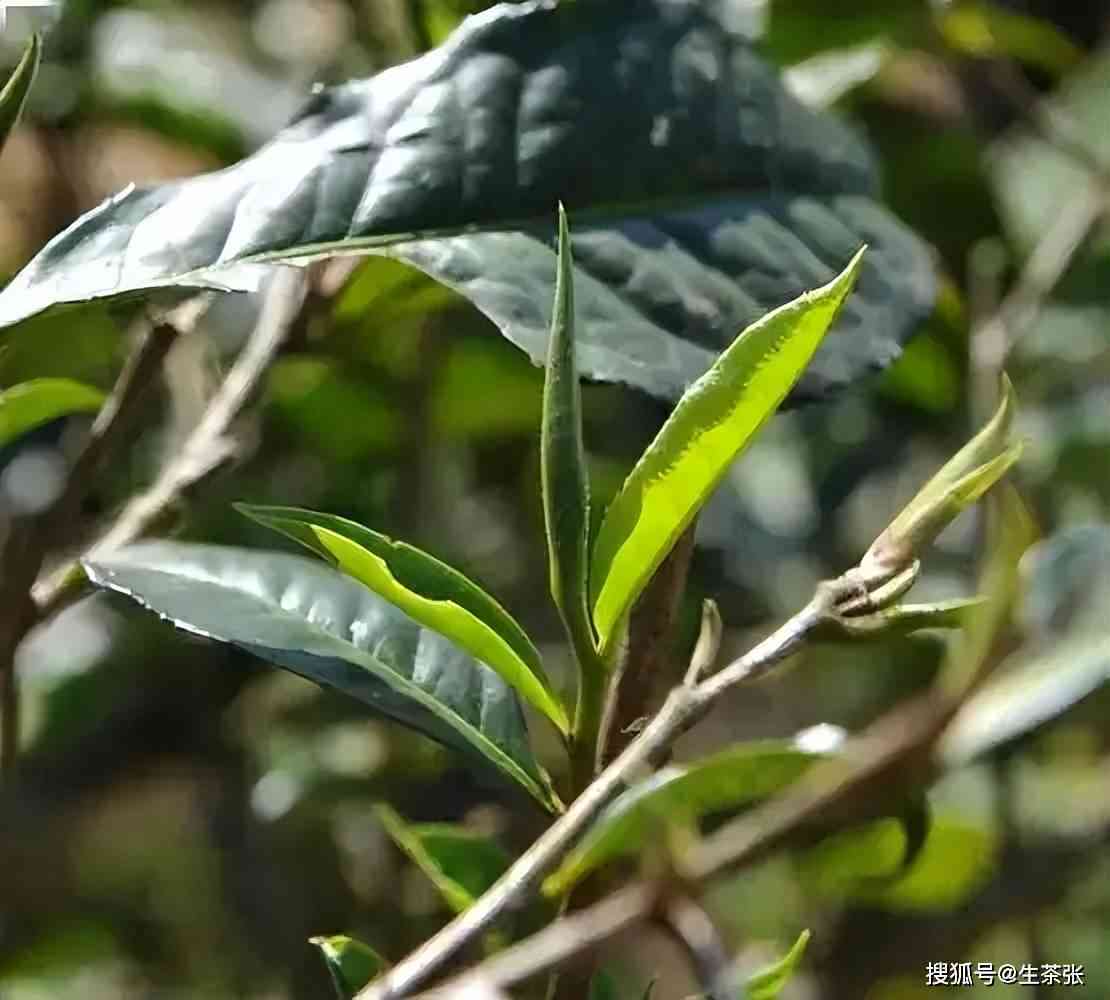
x=378 y=668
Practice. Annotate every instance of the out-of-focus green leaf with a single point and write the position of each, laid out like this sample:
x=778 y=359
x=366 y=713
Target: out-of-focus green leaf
x=431 y=592
x=24 y=407
x=1067 y=583
x=960 y=482
x=341 y=418
x=715 y=420
x=351 y=963
x=724 y=781
x=14 y=95
x=925 y=376
x=705 y=195
x=322 y=625
x=1032 y=178
x=564 y=477
x=1033 y=688
x=461 y=405
x=984 y=29
x=769 y=982
x=947 y=868
x=388 y=291
x=460 y=863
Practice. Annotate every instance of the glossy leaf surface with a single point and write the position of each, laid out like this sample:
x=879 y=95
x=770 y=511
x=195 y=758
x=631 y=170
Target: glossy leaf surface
x=704 y=195
x=431 y=592
x=309 y=619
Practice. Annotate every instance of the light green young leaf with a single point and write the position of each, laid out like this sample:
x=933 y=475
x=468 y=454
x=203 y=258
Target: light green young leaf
x=961 y=481
x=712 y=423
x=724 y=781
x=427 y=590
x=14 y=95
x=30 y=404
x=351 y=963
x=768 y=982
x=989 y=30
x=460 y=863
x=566 y=487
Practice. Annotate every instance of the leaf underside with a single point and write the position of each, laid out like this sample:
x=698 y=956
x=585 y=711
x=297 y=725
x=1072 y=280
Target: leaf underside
x=703 y=194
x=305 y=617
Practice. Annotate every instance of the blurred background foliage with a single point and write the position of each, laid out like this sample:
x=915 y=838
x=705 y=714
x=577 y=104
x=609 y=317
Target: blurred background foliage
x=189 y=817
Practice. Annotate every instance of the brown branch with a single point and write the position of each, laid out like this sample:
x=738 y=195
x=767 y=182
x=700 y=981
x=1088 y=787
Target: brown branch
x=207 y=448
x=895 y=752
x=29 y=541
x=685 y=705
x=686 y=920
x=648 y=665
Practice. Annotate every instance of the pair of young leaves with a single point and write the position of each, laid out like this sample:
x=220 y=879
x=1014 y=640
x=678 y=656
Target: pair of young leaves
x=594 y=590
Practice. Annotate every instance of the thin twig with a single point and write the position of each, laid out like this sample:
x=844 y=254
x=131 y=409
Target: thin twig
x=894 y=752
x=207 y=448
x=683 y=707
x=28 y=543
x=692 y=927
x=1047 y=264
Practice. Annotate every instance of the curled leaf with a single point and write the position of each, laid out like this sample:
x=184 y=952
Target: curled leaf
x=769 y=982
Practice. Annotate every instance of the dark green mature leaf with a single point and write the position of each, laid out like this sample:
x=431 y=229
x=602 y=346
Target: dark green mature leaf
x=769 y=982
x=14 y=95
x=351 y=963
x=705 y=195
x=566 y=485
x=431 y=592
x=716 y=419
x=459 y=862
x=724 y=781
x=322 y=625
x=30 y=404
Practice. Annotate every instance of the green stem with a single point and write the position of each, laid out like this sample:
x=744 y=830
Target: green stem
x=587 y=717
